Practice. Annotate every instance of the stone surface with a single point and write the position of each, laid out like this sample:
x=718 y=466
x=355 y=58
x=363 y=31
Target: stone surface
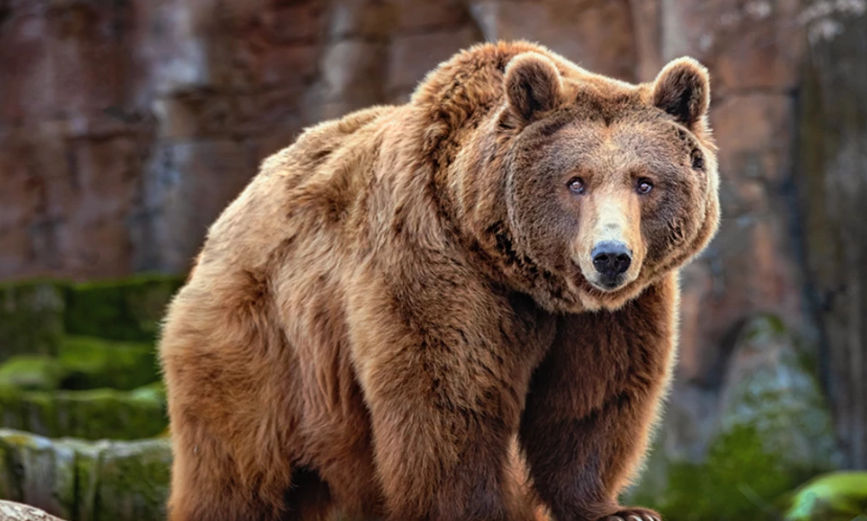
x=86 y=481
x=595 y=34
x=411 y=56
x=10 y=511
x=90 y=414
x=31 y=318
x=751 y=45
x=833 y=181
x=770 y=430
x=772 y=388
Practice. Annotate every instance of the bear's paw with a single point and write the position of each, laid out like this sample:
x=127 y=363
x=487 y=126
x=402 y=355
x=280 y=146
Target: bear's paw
x=633 y=514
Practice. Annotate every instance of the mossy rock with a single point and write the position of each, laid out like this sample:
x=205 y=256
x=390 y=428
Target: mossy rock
x=133 y=481
x=836 y=496
x=772 y=431
x=739 y=480
x=92 y=363
x=31 y=372
x=92 y=414
x=126 y=309
x=84 y=363
x=10 y=510
x=86 y=481
x=31 y=318
x=36 y=472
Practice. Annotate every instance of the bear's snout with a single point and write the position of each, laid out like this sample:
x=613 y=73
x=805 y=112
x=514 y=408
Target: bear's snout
x=611 y=259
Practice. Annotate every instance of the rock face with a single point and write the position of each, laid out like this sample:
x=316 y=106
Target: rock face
x=833 y=176
x=771 y=430
x=86 y=481
x=10 y=511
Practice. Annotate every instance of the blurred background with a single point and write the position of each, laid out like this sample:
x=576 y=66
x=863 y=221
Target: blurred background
x=126 y=126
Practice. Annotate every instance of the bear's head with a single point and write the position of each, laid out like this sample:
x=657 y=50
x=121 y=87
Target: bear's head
x=605 y=186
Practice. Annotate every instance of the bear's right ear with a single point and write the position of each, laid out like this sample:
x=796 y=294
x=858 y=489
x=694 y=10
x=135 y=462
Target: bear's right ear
x=532 y=85
x=682 y=89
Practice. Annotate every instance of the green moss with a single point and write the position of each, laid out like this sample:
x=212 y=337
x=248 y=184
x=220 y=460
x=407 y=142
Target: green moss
x=110 y=414
x=772 y=431
x=94 y=481
x=155 y=392
x=93 y=414
x=32 y=411
x=764 y=328
x=31 y=318
x=87 y=464
x=38 y=465
x=84 y=363
x=134 y=481
x=835 y=496
x=37 y=372
x=10 y=467
x=128 y=309
x=91 y=363
x=739 y=480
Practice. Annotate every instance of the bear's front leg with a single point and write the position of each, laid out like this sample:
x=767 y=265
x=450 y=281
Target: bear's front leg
x=593 y=402
x=444 y=391
x=436 y=462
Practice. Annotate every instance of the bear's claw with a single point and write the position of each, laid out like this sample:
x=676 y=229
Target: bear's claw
x=633 y=515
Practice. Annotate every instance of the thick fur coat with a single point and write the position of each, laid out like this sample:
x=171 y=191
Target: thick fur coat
x=410 y=313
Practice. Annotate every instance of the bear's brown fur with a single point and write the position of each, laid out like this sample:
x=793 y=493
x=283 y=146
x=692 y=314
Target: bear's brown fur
x=405 y=296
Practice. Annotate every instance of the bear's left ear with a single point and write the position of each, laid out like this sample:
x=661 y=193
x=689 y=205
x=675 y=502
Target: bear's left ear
x=532 y=85
x=682 y=89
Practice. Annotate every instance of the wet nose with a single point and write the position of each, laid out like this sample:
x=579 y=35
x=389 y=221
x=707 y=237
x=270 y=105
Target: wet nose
x=611 y=258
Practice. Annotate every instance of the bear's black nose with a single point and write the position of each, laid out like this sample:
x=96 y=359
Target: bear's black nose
x=611 y=258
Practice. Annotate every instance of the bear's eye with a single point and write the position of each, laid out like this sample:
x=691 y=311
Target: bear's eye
x=576 y=184
x=644 y=186
x=697 y=160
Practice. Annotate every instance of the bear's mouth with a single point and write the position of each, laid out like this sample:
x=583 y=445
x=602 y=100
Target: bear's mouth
x=605 y=283
x=608 y=284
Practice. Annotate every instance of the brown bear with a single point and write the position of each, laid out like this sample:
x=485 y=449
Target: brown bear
x=460 y=308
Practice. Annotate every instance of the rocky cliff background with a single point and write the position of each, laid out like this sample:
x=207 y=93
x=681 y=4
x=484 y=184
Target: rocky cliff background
x=127 y=125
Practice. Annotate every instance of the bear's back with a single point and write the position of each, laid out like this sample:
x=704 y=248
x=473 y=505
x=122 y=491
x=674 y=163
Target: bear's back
x=300 y=195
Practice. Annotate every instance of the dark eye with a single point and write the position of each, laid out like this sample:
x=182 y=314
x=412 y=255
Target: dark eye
x=576 y=184
x=644 y=186
x=697 y=160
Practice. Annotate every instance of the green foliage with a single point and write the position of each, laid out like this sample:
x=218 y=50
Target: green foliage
x=91 y=363
x=83 y=363
x=836 y=496
x=32 y=372
x=739 y=480
x=31 y=318
x=93 y=414
x=128 y=309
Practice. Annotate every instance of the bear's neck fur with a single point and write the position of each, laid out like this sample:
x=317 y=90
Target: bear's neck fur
x=456 y=99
